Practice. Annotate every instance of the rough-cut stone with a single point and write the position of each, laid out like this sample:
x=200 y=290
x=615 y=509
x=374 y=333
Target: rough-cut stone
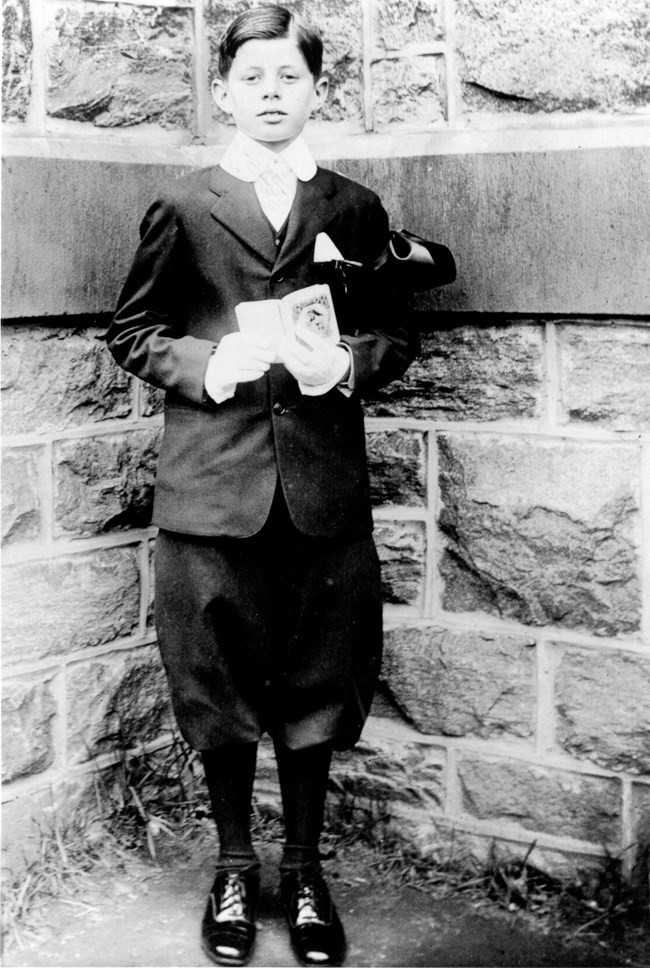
x=639 y=855
x=529 y=536
x=105 y=483
x=470 y=373
x=54 y=378
x=408 y=90
x=267 y=789
x=551 y=801
x=341 y=26
x=152 y=400
x=17 y=47
x=33 y=815
x=397 y=463
x=465 y=683
x=117 y=65
x=401 y=546
x=383 y=705
x=603 y=707
x=51 y=608
x=152 y=586
x=488 y=851
x=21 y=505
x=22 y=826
x=28 y=710
x=116 y=702
x=394 y=25
x=529 y=56
x=390 y=775
x=606 y=375
x=641 y=814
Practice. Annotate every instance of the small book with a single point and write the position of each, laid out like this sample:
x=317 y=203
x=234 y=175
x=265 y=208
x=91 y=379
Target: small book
x=272 y=319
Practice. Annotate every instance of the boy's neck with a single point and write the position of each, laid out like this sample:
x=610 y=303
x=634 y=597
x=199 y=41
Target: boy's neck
x=275 y=146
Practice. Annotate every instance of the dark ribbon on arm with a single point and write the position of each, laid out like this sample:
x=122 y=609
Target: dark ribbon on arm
x=415 y=263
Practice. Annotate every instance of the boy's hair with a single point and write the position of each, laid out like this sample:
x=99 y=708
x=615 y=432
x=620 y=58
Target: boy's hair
x=271 y=22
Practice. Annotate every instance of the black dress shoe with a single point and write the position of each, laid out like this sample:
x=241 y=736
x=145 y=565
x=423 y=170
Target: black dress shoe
x=316 y=932
x=228 y=927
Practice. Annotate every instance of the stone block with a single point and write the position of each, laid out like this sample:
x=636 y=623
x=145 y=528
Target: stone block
x=409 y=90
x=58 y=377
x=51 y=608
x=605 y=374
x=394 y=25
x=116 y=702
x=21 y=504
x=383 y=705
x=119 y=65
x=533 y=57
x=530 y=537
x=539 y=799
x=152 y=400
x=461 y=683
x=267 y=788
x=105 y=483
x=639 y=854
x=21 y=833
x=17 y=45
x=470 y=373
x=641 y=814
x=602 y=701
x=390 y=775
x=341 y=27
x=28 y=711
x=401 y=546
x=152 y=587
x=397 y=460
x=487 y=851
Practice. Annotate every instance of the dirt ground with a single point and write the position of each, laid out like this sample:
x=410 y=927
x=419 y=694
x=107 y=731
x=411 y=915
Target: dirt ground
x=148 y=915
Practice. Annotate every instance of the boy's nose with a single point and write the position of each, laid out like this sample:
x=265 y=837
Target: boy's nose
x=270 y=88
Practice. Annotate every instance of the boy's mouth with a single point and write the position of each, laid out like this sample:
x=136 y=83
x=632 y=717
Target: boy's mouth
x=272 y=114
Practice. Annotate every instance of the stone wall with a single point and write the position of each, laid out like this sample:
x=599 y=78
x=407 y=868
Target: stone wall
x=510 y=468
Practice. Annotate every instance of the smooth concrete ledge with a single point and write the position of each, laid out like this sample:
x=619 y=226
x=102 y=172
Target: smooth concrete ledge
x=542 y=231
x=334 y=142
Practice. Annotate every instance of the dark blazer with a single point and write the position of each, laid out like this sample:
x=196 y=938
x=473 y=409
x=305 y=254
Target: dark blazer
x=205 y=247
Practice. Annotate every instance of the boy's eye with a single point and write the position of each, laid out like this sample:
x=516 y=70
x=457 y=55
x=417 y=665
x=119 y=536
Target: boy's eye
x=289 y=77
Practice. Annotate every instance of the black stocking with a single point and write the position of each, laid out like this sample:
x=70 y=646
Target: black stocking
x=303 y=783
x=230 y=773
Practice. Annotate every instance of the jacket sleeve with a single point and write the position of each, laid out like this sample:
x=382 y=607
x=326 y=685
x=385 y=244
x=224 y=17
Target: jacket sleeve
x=146 y=336
x=385 y=340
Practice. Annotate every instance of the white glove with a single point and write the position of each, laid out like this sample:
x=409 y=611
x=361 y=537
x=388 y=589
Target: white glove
x=317 y=364
x=237 y=359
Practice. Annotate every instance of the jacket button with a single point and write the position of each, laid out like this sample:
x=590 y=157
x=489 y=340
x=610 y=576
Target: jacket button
x=279 y=408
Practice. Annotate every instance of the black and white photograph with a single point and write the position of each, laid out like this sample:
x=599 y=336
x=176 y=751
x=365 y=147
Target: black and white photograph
x=325 y=483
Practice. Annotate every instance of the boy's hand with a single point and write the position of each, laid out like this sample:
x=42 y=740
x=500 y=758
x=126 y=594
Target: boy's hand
x=237 y=359
x=317 y=364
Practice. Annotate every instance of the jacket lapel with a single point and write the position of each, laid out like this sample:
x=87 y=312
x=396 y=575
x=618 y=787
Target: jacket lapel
x=313 y=208
x=237 y=207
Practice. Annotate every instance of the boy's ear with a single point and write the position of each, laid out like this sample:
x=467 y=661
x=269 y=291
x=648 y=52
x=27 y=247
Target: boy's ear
x=321 y=89
x=220 y=94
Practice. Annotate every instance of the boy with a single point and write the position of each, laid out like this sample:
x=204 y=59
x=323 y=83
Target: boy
x=268 y=605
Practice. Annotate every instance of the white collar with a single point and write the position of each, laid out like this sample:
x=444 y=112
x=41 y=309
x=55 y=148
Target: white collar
x=247 y=159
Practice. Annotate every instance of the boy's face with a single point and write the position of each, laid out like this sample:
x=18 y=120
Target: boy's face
x=270 y=92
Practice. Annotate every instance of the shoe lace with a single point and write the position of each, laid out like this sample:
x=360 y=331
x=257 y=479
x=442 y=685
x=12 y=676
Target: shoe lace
x=233 y=900
x=307 y=906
